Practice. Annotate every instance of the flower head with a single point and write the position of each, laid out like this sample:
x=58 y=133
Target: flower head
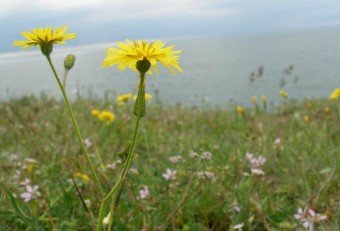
x=240 y=109
x=44 y=38
x=308 y=217
x=176 y=159
x=147 y=97
x=169 y=174
x=130 y=52
x=327 y=110
x=31 y=193
x=283 y=94
x=335 y=94
x=82 y=176
x=95 y=112
x=144 y=193
x=253 y=100
x=306 y=119
x=206 y=175
x=206 y=156
x=124 y=98
x=193 y=154
x=105 y=116
x=87 y=142
x=256 y=164
x=25 y=182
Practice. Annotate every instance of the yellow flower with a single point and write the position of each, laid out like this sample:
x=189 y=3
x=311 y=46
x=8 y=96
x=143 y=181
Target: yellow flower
x=335 y=94
x=44 y=38
x=327 y=110
x=253 y=100
x=306 y=119
x=107 y=117
x=309 y=105
x=283 y=94
x=264 y=98
x=95 y=112
x=124 y=98
x=240 y=109
x=130 y=52
x=147 y=96
x=82 y=176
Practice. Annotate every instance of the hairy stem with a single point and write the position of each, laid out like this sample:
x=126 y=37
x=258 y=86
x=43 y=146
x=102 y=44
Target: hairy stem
x=76 y=129
x=120 y=182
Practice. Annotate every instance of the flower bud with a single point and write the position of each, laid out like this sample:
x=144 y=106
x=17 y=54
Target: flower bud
x=143 y=65
x=69 y=61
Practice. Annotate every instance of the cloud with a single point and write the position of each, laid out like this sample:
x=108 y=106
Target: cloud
x=104 y=10
x=16 y=6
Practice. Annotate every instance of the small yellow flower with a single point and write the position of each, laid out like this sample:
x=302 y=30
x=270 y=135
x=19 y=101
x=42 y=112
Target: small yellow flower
x=44 y=38
x=335 y=94
x=84 y=177
x=107 y=117
x=264 y=98
x=306 y=119
x=130 y=52
x=95 y=112
x=309 y=105
x=327 y=110
x=30 y=168
x=147 y=96
x=253 y=100
x=240 y=109
x=283 y=94
x=124 y=98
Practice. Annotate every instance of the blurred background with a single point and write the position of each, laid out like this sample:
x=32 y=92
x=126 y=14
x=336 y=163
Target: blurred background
x=232 y=49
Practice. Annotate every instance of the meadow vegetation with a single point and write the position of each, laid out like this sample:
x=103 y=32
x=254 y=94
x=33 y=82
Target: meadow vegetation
x=190 y=170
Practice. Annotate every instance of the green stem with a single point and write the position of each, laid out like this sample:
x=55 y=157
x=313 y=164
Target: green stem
x=76 y=130
x=126 y=167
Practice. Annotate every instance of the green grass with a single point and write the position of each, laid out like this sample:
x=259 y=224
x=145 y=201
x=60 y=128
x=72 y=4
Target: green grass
x=299 y=172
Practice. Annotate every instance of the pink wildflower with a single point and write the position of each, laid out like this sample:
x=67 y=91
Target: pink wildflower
x=144 y=193
x=308 y=217
x=169 y=174
x=31 y=193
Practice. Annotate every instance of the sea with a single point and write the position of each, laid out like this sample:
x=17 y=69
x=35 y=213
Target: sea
x=217 y=70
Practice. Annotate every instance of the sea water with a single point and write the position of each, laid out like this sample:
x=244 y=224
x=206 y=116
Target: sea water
x=216 y=70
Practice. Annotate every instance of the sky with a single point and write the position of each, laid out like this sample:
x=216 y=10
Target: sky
x=103 y=21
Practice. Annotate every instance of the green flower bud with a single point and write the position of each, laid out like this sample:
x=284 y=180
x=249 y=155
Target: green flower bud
x=69 y=61
x=139 y=109
x=143 y=65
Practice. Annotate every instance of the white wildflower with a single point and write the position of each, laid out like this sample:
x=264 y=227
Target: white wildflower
x=206 y=155
x=193 y=154
x=133 y=171
x=206 y=175
x=30 y=160
x=114 y=164
x=25 y=182
x=308 y=217
x=87 y=142
x=144 y=193
x=256 y=164
x=176 y=159
x=169 y=174
x=31 y=193
x=236 y=207
x=238 y=226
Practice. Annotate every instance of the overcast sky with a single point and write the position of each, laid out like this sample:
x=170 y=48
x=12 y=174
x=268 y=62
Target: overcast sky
x=98 y=21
